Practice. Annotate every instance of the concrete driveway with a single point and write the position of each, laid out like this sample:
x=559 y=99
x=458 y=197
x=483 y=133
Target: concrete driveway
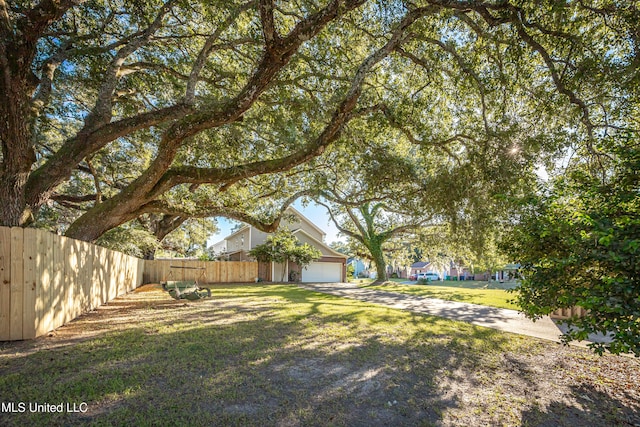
x=490 y=317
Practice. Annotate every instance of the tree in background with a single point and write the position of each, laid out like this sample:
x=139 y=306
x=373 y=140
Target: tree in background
x=579 y=244
x=342 y=247
x=372 y=227
x=465 y=247
x=132 y=240
x=190 y=238
x=282 y=247
x=184 y=238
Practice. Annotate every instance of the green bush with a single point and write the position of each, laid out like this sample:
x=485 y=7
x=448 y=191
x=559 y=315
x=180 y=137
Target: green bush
x=579 y=245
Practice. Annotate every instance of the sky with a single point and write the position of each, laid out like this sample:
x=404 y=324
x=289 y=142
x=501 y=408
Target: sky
x=315 y=213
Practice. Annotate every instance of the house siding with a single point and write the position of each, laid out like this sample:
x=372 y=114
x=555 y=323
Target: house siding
x=305 y=239
x=219 y=248
x=240 y=241
x=257 y=237
x=305 y=225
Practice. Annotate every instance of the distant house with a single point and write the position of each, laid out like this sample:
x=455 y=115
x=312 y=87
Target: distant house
x=399 y=271
x=360 y=268
x=461 y=273
x=419 y=267
x=506 y=273
x=331 y=267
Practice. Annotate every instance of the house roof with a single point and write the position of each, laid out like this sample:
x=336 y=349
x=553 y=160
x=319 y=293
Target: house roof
x=297 y=213
x=292 y=210
x=238 y=231
x=319 y=243
x=420 y=264
x=234 y=252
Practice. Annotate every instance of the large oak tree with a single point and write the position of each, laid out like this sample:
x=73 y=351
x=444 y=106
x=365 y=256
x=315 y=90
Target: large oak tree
x=122 y=109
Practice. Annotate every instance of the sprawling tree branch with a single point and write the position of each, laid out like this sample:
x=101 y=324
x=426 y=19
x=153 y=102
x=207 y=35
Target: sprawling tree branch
x=35 y=21
x=562 y=88
x=47 y=177
x=341 y=116
x=269 y=31
x=207 y=49
x=162 y=207
x=103 y=109
x=339 y=226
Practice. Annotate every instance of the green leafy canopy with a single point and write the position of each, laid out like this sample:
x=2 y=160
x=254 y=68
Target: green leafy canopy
x=282 y=247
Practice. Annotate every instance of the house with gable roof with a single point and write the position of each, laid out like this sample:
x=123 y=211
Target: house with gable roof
x=331 y=267
x=419 y=267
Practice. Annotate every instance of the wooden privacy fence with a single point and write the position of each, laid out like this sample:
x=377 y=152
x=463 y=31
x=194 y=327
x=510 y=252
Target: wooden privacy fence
x=47 y=280
x=565 y=313
x=214 y=271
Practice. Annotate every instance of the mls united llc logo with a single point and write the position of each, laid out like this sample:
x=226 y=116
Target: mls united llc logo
x=21 y=407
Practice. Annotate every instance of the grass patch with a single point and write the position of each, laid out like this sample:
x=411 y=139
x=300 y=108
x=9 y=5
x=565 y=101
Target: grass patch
x=248 y=355
x=361 y=281
x=474 y=294
x=474 y=284
x=265 y=355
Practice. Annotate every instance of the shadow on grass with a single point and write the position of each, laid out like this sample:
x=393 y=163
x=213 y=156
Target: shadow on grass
x=264 y=356
x=592 y=408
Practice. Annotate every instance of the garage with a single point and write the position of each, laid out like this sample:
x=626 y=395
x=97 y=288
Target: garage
x=323 y=272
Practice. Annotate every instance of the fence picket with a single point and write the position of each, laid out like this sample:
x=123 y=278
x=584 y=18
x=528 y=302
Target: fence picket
x=5 y=283
x=17 y=283
x=44 y=314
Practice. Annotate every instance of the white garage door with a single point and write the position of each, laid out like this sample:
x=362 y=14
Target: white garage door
x=322 y=272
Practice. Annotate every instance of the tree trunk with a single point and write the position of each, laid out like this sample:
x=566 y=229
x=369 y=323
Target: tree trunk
x=17 y=150
x=378 y=258
x=18 y=43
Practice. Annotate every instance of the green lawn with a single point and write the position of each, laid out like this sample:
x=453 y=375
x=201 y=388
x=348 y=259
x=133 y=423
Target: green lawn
x=474 y=292
x=251 y=355
x=269 y=355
